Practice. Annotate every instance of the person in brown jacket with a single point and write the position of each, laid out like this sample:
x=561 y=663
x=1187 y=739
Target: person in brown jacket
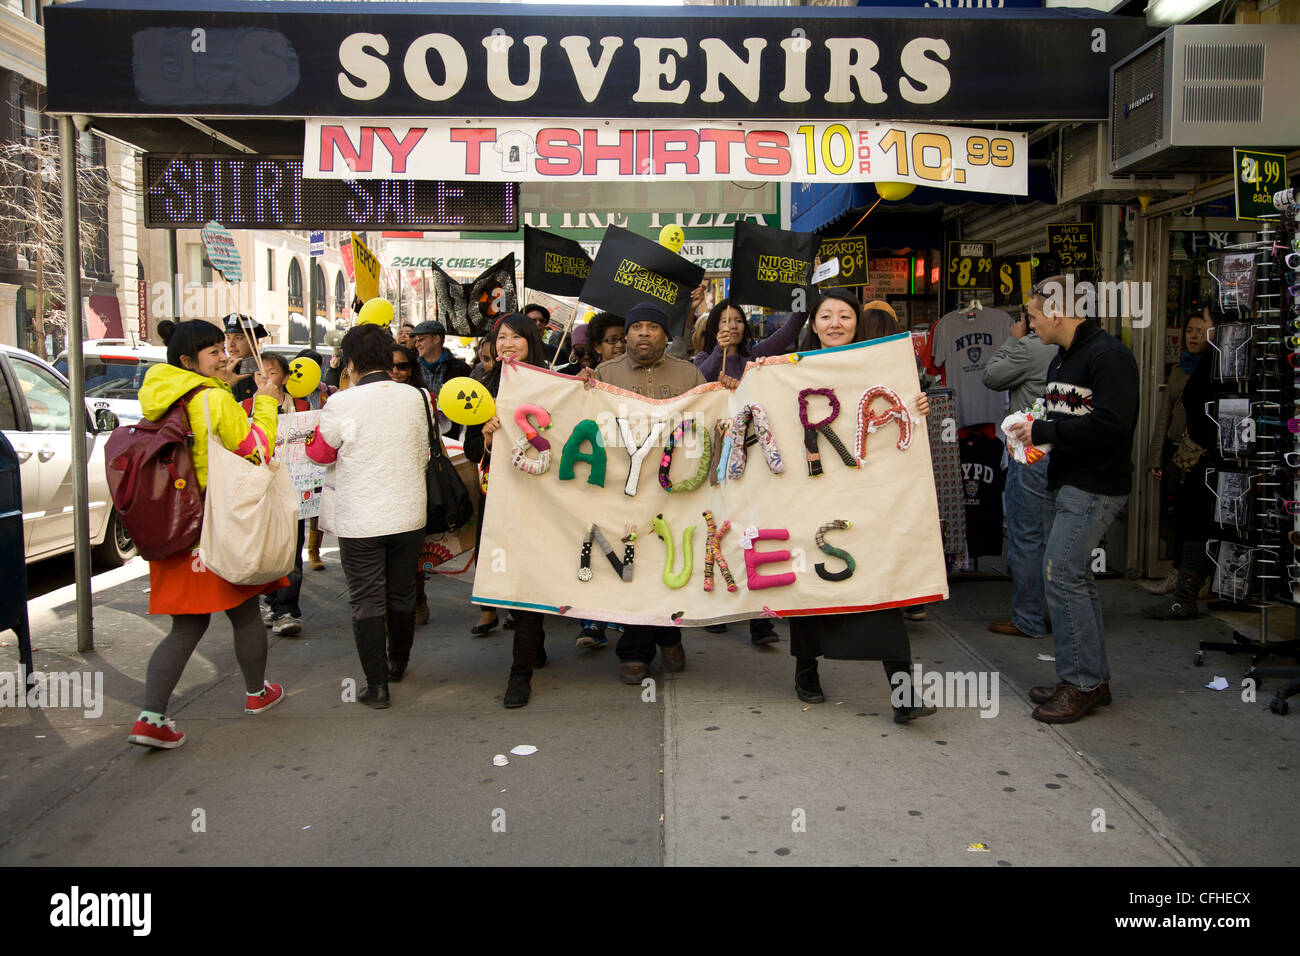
x=645 y=369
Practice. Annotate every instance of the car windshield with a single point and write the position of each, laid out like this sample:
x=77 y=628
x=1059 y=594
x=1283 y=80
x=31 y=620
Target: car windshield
x=112 y=376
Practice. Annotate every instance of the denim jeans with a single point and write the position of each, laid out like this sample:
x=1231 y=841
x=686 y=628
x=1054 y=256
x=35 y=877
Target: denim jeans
x=1030 y=509
x=1081 y=520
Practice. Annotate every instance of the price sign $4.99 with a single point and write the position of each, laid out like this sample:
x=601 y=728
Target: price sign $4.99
x=970 y=265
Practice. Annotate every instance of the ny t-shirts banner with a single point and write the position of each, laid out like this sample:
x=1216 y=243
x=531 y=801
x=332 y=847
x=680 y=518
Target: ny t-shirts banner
x=631 y=269
x=646 y=512
x=553 y=263
x=638 y=151
x=768 y=265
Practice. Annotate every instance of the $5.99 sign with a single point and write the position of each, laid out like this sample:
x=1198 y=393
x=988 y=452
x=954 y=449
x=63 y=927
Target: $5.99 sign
x=970 y=265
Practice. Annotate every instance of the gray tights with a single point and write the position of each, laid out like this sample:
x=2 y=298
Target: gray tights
x=173 y=653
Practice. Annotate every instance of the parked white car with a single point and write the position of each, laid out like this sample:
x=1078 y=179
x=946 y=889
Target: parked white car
x=114 y=372
x=36 y=417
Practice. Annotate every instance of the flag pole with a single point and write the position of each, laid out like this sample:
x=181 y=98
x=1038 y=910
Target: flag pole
x=568 y=329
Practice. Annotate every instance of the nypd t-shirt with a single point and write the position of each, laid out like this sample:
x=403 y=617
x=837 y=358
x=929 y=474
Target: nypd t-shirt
x=982 y=481
x=963 y=342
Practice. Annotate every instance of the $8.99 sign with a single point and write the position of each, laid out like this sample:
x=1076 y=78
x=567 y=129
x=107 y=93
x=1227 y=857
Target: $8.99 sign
x=970 y=265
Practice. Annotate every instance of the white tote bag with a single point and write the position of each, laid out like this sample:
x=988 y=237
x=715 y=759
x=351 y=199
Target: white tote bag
x=250 y=515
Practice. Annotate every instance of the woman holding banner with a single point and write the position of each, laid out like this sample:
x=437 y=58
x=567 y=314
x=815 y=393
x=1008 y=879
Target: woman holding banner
x=726 y=347
x=517 y=339
x=838 y=320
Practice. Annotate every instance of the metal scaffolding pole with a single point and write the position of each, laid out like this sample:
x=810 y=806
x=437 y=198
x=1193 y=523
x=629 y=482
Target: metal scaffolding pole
x=77 y=377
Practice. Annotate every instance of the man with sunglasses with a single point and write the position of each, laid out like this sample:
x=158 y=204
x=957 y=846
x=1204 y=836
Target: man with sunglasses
x=1092 y=410
x=1020 y=366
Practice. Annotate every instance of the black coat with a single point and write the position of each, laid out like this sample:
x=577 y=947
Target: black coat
x=863 y=636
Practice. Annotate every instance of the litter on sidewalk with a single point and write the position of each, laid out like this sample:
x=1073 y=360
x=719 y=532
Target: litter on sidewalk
x=1219 y=683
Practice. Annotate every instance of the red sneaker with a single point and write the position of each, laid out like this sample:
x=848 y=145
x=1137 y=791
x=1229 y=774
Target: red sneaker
x=164 y=736
x=271 y=695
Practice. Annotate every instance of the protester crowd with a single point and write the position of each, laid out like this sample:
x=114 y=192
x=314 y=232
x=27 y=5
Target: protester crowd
x=380 y=386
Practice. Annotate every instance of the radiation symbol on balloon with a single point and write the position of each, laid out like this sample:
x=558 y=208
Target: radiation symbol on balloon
x=466 y=402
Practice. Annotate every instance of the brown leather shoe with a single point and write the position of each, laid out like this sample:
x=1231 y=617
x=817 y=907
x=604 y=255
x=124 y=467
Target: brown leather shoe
x=632 y=672
x=1009 y=629
x=1041 y=695
x=1070 y=704
x=674 y=658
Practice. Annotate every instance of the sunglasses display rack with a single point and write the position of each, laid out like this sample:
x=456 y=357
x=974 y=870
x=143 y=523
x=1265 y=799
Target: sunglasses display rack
x=1256 y=559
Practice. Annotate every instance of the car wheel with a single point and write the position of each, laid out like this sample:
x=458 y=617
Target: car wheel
x=117 y=548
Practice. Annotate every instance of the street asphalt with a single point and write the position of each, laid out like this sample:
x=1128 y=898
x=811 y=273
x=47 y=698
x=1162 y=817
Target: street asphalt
x=718 y=765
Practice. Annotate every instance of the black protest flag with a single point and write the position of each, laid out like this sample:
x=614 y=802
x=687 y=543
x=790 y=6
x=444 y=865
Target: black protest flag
x=768 y=265
x=492 y=295
x=631 y=269
x=553 y=263
x=449 y=297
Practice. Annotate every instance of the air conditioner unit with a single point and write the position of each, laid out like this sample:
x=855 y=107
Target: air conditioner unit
x=1084 y=171
x=1183 y=100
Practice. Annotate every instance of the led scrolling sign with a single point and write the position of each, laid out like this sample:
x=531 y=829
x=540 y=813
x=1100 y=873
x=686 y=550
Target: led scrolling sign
x=265 y=192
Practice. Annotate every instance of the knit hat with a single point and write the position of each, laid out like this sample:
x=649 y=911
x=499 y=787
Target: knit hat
x=647 y=312
x=581 y=335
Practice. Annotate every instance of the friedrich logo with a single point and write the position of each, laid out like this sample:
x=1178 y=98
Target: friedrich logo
x=1140 y=101
x=76 y=909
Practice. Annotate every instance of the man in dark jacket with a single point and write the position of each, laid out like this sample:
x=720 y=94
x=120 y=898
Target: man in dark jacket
x=438 y=364
x=1092 y=409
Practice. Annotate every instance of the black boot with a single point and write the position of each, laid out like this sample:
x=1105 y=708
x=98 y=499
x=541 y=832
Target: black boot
x=528 y=655
x=1181 y=605
x=806 y=684
x=900 y=674
x=369 y=634
x=401 y=635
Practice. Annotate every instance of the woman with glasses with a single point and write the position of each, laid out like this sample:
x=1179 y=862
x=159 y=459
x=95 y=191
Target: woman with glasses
x=406 y=371
x=606 y=334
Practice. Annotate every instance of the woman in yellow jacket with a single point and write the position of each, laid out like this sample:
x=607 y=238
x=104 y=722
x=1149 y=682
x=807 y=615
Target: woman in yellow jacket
x=181 y=585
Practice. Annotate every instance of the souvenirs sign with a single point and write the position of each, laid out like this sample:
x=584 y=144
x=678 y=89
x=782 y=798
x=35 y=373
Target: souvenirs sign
x=660 y=512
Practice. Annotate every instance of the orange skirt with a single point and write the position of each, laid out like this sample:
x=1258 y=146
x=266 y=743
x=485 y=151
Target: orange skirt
x=182 y=584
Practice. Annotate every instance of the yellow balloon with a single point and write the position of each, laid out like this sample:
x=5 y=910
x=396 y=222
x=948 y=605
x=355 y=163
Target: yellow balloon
x=466 y=402
x=895 y=191
x=376 y=312
x=304 y=377
x=671 y=237
x=466 y=341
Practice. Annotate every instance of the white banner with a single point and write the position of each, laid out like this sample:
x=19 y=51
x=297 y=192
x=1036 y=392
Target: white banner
x=657 y=512
x=569 y=150
x=292 y=432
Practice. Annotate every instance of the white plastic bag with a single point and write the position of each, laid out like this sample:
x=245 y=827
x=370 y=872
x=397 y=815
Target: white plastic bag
x=250 y=515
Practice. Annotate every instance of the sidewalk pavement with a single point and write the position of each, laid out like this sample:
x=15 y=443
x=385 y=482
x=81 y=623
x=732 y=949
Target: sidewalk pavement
x=724 y=766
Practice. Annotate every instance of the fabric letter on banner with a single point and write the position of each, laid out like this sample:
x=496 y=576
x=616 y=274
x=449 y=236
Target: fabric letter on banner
x=584 y=431
x=638 y=455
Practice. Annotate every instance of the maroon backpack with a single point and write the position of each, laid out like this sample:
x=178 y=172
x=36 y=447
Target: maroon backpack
x=152 y=480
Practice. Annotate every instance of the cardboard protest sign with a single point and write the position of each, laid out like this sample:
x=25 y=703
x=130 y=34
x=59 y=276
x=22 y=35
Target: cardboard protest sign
x=367 y=267
x=631 y=269
x=768 y=265
x=553 y=263
x=292 y=433
x=799 y=535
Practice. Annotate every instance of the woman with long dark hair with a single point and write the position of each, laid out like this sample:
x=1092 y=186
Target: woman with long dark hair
x=838 y=319
x=727 y=330
x=517 y=339
x=406 y=367
x=182 y=585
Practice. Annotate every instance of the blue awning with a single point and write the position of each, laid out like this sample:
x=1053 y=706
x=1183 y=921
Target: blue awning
x=814 y=206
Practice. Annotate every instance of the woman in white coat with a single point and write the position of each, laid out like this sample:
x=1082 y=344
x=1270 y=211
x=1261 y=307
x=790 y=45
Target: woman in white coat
x=368 y=501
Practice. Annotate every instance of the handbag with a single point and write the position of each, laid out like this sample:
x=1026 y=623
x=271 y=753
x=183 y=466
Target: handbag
x=250 y=515
x=1185 y=456
x=447 y=503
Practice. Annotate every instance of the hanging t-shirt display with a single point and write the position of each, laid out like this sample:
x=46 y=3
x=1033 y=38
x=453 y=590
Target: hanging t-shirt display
x=982 y=479
x=963 y=342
